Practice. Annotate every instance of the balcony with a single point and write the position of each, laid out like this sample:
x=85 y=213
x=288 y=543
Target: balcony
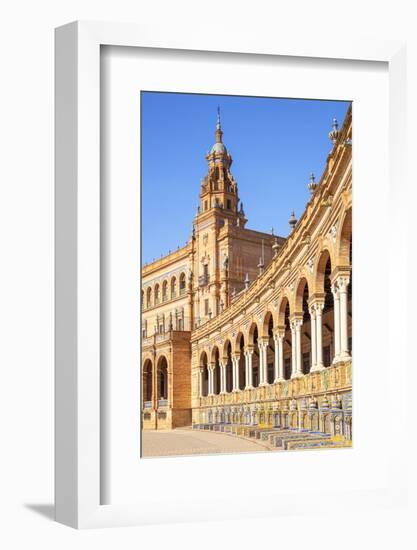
x=162 y=403
x=147 y=404
x=203 y=280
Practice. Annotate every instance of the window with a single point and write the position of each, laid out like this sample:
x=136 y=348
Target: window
x=182 y=283
x=206 y=307
x=229 y=204
x=205 y=205
x=173 y=288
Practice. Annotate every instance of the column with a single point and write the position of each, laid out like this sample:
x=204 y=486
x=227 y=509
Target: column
x=342 y=283
x=281 y=336
x=296 y=370
x=201 y=380
x=276 y=358
x=263 y=366
x=222 y=377
x=211 y=379
x=336 y=298
x=319 y=336
x=249 y=379
x=293 y=351
x=313 y=338
x=299 y=357
x=235 y=363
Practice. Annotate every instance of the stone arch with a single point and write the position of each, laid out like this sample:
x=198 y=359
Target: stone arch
x=301 y=306
x=173 y=285
x=157 y=293
x=284 y=313
x=323 y=258
x=282 y=306
x=252 y=331
x=182 y=283
x=344 y=240
x=215 y=359
x=149 y=297
x=268 y=323
x=299 y=294
x=147 y=381
x=239 y=342
x=204 y=379
x=164 y=290
x=227 y=361
x=162 y=378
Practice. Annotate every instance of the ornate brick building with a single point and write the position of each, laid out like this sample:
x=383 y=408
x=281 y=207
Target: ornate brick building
x=242 y=328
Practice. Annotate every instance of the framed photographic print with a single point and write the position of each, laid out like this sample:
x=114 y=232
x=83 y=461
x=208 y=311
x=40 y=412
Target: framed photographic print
x=216 y=273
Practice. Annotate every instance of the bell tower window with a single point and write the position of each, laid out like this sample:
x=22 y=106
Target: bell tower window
x=229 y=204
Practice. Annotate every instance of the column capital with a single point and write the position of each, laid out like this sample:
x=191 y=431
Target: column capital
x=340 y=271
x=201 y=369
x=236 y=355
x=249 y=349
x=211 y=366
x=263 y=341
x=296 y=320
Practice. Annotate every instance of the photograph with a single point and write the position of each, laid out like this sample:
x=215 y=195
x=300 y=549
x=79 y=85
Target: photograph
x=246 y=274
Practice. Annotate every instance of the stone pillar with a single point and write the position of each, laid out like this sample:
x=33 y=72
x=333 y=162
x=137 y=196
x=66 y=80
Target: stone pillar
x=263 y=362
x=222 y=377
x=313 y=338
x=296 y=348
x=293 y=351
x=342 y=283
x=279 y=355
x=211 y=379
x=249 y=372
x=336 y=299
x=235 y=363
x=276 y=358
x=201 y=380
x=318 y=309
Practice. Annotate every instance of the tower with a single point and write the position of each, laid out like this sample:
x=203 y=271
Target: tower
x=225 y=252
x=216 y=214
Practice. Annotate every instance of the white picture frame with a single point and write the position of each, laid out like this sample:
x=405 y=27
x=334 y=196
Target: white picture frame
x=78 y=500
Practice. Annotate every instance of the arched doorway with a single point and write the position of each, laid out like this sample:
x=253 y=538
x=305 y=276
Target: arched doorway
x=253 y=341
x=302 y=306
x=216 y=372
x=147 y=386
x=204 y=375
x=162 y=381
x=284 y=321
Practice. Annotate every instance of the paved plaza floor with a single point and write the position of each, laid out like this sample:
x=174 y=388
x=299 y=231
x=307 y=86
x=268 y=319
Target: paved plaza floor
x=191 y=442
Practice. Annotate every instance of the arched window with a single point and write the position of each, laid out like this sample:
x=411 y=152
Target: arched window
x=149 y=297
x=173 y=288
x=165 y=291
x=182 y=284
x=156 y=294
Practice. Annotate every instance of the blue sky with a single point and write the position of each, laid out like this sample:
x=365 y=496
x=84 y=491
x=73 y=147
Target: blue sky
x=275 y=145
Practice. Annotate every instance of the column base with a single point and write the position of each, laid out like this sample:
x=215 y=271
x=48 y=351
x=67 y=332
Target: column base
x=345 y=356
x=278 y=380
x=336 y=360
x=318 y=368
x=263 y=384
x=249 y=388
x=297 y=375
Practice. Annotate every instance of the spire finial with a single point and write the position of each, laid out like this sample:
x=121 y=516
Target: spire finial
x=334 y=134
x=219 y=132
